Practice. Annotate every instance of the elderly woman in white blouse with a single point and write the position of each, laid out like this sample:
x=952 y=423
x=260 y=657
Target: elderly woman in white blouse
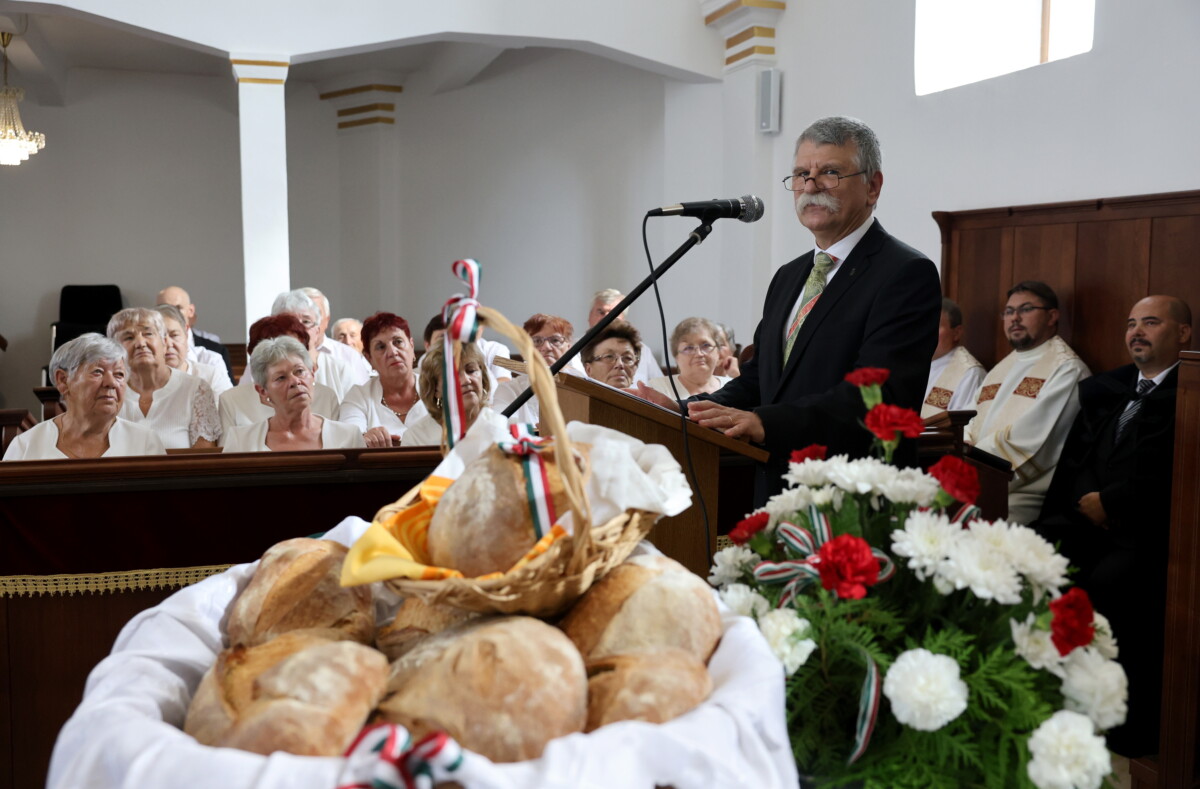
x=696 y=352
x=551 y=336
x=473 y=384
x=89 y=373
x=177 y=352
x=283 y=376
x=384 y=407
x=179 y=407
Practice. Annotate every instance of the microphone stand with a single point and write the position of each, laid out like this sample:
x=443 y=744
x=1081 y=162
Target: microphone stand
x=694 y=238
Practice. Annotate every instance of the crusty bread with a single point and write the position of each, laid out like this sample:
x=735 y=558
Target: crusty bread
x=414 y=620
x=301 y=693
x=297 y=586
x=645 y=603
x=502 y=687
x=653 y=686
x=482 y=523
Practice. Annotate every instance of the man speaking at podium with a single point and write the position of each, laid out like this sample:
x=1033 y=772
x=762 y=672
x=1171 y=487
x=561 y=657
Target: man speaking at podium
x=861 y=298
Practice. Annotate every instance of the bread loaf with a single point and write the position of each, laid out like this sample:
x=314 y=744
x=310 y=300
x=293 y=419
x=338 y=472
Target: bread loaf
x=414 y=620
x=653 y=686
x=301 y=693
x=502 y=687
x=297 y=586
x=482 y=523
x=645 y=603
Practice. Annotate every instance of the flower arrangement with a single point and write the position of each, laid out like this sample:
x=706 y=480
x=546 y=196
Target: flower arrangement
x=923 y=646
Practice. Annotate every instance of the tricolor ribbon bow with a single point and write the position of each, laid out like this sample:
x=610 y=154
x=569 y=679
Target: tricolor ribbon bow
x=385 y=755
x=462 y=325
x=529 y=448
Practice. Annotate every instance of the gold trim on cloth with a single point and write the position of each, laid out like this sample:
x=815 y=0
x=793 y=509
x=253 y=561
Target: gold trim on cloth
x=1029 y=387
x=988 y=393
x=122 y=581
x=939 y=397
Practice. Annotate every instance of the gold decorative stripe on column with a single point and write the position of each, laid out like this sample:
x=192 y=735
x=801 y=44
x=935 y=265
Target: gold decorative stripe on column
x=381 y=106
x=123 y=581
x=364 y=122
x=736 y=4
x=278 y=63
x=749 y=33
x=745 y=53
x=260 y=81
x=361 y=89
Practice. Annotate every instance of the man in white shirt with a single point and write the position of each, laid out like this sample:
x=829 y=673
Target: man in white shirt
x=954 y=374
x=202 y=347
x=1026 y=404
x=360 y=369
x=348 y=331
x=603 y=302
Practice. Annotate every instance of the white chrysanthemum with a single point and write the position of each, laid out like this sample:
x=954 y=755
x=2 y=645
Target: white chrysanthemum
x=782 y=505
x=810 y=473
x=730 y=563
x=925 y=690
x=862 y=476
x=943 y=585
x=910 y=486
x=974 y=564
x=828 y=496
x=1036 y=646
x=1096 y=687
x=1067 y=753
x=785 y=632
x=925 y=540
x=744 y=601
x=1036 y=559
x=1105 y=641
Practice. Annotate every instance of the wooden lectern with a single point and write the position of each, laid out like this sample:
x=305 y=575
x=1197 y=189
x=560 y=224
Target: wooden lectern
x=724 y=466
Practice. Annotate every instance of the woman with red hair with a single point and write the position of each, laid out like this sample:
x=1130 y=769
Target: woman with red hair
x=551 y=336
x=386 y=405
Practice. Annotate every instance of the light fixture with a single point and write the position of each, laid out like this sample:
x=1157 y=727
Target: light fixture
x=16 y=144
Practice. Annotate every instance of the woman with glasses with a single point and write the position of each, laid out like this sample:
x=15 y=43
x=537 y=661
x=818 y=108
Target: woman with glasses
x=697 y=354
x=388 y=404
x=612 y=356
x=551 y=336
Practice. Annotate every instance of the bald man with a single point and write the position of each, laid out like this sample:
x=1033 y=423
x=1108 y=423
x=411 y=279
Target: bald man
x=1109 y=504
x=200 y=348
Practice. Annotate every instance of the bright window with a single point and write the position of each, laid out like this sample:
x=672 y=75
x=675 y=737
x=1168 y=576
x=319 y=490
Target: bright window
x=963 y=41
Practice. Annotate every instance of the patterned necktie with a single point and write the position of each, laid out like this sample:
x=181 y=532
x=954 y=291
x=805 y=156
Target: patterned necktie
x=1129 y=413
x=813 y=288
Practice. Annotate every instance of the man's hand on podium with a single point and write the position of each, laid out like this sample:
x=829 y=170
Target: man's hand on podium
x=733 y=422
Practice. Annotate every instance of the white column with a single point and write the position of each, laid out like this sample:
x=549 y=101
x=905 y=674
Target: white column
x=263 y=128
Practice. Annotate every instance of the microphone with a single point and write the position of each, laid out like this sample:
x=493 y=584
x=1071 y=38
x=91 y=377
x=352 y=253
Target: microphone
x=747 y=208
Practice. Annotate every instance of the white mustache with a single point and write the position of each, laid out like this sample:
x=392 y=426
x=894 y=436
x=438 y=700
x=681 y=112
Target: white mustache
x=818 y=199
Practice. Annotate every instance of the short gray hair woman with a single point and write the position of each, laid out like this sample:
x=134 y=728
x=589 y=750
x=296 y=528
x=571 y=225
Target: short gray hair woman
x=177 y=352
x=89 y=373
x=282 y=371
x=696 y=346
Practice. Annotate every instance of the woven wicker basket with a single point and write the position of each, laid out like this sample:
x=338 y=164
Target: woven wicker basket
x=551 y=582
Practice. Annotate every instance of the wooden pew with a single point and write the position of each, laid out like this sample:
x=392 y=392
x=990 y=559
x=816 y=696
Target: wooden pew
x=14 y=421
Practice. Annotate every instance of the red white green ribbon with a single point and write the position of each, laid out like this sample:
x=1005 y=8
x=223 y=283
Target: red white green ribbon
x=385 y=757
x=529 y=446
x=965 y=514
x=868 y=708
x=462 y=325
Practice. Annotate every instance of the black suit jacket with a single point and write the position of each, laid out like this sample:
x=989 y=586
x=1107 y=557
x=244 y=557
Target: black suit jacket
x=881 y=309
x=216 y=347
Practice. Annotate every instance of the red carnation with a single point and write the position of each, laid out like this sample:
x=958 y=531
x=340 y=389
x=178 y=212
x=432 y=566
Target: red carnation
x=958 y=477
x=867 y=376
x=810 y=452
x=884 y=420
x=847 y=566
x=1072 y=625
x=749 y=527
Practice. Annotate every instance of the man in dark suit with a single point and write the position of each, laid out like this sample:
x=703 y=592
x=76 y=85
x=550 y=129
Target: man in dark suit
x=860 y=299
x=1109 y=504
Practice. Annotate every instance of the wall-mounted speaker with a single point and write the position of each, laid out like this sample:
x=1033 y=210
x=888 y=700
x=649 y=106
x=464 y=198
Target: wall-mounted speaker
x=769 y=94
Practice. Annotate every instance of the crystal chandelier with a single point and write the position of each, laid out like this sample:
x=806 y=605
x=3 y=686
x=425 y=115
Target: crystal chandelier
x=16 y=144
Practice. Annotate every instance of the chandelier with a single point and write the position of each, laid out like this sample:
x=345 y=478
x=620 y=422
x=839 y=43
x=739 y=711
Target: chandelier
x=16 y=144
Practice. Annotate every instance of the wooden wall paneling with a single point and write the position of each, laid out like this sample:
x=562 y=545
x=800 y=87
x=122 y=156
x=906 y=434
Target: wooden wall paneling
x=1111 y=274
x=1045 y=253
x=1175 y=261
x=975 y=287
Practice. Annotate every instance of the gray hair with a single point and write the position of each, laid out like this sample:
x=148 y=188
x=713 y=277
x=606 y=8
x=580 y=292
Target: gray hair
x=953 y=312
x=274 y=350
x=838 y=130
x=136 y=316
x=172 y=312
x=315 y=294
x=294 y=301
x=691 y=326
x=355 y=321
x=727 y=331
x=607 y=296
x=86 y=349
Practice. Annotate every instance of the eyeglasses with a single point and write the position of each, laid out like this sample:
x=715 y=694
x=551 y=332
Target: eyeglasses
x=692 y=350
x=611 y=359
x=826 y=179
x=309 y=323
x=554 y=341
x=1023 y=310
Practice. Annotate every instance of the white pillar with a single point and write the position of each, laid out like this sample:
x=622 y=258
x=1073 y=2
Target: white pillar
x=263 y=128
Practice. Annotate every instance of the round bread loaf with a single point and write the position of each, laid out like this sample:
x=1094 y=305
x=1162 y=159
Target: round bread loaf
x=301 y=693
x=298 y=586
x=645 y=603
x=502 y=687
x=653 y=686
x=414 y=620
x=482 y=523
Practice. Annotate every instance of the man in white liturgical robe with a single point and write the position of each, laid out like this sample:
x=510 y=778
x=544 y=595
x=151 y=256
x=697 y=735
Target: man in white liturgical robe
x=1027 y=403
x=954 y=374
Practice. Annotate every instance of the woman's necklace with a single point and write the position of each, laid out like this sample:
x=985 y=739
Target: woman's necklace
x=399 y=415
